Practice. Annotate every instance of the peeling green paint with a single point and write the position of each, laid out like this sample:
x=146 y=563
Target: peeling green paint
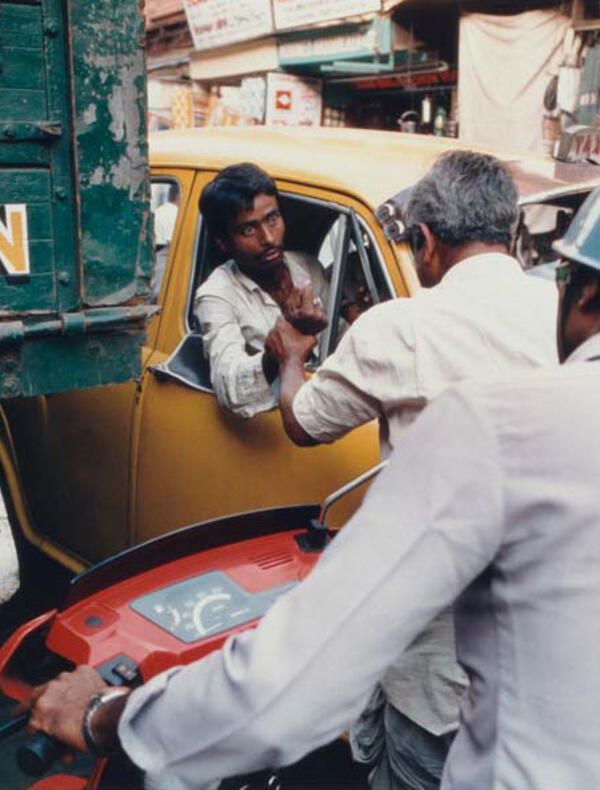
x=110 y=107
x=73 y=149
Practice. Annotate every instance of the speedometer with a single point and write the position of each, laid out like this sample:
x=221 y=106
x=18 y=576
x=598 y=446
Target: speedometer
x=204 y=605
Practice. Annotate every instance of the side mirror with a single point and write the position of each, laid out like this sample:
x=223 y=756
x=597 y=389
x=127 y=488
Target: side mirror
x=187 y=365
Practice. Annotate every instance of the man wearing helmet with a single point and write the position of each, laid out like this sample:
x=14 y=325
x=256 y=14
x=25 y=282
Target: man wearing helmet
x=491 y=500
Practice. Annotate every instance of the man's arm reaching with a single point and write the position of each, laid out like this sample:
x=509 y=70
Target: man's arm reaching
x=291 y=349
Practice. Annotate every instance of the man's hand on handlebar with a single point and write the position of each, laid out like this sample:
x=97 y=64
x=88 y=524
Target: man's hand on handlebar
x=58 y=707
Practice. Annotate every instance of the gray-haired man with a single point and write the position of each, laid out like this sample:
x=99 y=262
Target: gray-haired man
x=478 y=315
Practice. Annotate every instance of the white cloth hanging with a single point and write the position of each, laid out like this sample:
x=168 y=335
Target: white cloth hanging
x=9 y=563
x=504 y=65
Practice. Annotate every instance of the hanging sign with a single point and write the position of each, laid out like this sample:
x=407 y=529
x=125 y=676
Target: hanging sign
x=14 y=242
x=293 y=101
x=291 y=14
x=215 y=23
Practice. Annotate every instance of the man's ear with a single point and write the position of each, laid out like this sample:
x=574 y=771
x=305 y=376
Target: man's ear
x=429 y=244
x=588 y=297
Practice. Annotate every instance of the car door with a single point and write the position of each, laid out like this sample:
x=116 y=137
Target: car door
x=194 y=460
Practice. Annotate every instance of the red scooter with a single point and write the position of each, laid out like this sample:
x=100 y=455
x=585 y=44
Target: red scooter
x=167 y=602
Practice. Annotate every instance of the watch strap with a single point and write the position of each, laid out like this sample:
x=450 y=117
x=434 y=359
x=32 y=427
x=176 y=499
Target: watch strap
x=96 y=702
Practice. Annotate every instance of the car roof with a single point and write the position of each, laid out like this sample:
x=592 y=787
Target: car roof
x=371 y=165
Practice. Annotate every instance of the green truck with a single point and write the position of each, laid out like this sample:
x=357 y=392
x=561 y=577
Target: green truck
x=76 y=241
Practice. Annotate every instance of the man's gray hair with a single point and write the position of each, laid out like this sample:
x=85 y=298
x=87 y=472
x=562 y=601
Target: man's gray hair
x=465 y=197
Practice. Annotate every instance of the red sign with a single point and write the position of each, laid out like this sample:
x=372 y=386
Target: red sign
x=579 y=144
x=587 y=145
x=293 y=100
x=408 y=81
x=283 y=100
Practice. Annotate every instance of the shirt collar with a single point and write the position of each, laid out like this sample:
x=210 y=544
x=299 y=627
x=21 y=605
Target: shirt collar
x=480 y=267
x=588 y=349
x=243 y=279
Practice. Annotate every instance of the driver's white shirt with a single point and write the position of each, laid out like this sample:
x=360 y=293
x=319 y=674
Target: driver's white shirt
x=492 y=498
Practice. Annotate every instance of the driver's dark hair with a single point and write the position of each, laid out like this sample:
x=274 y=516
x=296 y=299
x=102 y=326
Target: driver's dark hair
x=233 y=190
x=466 y=196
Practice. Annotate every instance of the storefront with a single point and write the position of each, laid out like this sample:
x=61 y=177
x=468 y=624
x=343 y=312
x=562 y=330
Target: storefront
x=487 y=71
x=306 y=62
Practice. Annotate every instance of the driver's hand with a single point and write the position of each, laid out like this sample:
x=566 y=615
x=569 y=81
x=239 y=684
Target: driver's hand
x=305 y=312
x=285 y=342
x=58 y=707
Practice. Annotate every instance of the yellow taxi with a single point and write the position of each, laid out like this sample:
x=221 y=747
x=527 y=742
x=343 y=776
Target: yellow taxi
x=104 y=469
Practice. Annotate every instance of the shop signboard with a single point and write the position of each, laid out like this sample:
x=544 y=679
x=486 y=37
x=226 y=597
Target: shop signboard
x=411 y=81
x=346 y=42
x=216 y=23
x=293 y=101
x=290 y=14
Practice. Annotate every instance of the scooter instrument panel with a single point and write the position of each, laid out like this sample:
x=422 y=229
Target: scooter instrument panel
x=205 y=605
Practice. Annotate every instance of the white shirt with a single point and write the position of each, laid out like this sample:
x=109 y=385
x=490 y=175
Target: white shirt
x=235 y=317
x=9 y=562
x=492 y=495
x=165 y=217
x=485 y=318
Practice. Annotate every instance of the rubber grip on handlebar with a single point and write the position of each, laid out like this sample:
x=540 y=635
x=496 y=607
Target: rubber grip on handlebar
x=38 y=754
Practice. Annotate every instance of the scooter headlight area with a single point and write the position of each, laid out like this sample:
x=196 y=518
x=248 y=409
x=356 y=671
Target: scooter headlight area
x=167 y=602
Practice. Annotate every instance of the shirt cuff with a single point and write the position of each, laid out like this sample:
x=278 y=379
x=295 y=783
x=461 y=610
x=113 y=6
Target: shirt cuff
x=142 y=753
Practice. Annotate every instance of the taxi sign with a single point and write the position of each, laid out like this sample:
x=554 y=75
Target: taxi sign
x=579 y=144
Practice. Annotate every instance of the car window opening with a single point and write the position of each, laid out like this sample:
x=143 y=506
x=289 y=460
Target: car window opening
x=314 y=227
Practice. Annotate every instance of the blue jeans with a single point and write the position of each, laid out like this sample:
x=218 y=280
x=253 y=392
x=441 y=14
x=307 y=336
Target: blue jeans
x=405 y=756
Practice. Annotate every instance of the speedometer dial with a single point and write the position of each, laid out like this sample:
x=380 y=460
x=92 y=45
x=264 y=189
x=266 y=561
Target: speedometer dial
x=204 y=605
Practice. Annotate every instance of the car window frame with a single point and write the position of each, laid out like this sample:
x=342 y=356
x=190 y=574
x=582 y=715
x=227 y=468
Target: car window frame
x=354 y=225
x=380 y=260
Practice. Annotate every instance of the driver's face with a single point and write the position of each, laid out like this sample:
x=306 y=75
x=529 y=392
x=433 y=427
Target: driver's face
x=255 y=238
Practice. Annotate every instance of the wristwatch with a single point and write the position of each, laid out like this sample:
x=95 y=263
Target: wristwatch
x=95 y=703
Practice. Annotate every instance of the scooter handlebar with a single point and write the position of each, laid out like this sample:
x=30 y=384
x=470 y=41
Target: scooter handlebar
x=37 y=755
